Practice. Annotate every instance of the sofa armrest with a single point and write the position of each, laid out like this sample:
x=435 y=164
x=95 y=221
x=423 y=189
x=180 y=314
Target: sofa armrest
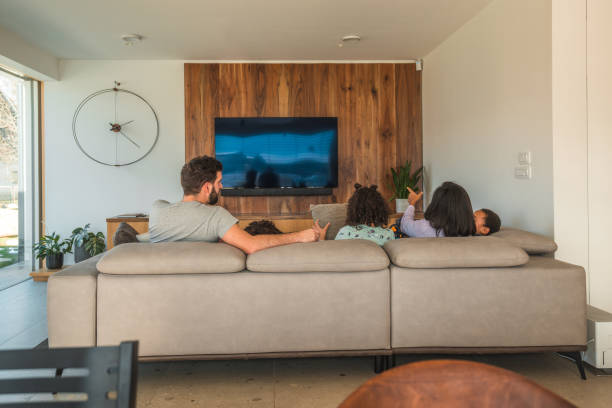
x=71 y=305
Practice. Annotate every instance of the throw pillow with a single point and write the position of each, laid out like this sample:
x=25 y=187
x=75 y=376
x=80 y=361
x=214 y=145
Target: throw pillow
x=125 y=233
x=335 y=214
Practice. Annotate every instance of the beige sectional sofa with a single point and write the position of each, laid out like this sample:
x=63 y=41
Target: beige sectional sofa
x=187 y=300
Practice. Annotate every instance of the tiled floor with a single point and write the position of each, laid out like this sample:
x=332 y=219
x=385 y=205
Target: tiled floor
x=326 y=382
x=23 y=315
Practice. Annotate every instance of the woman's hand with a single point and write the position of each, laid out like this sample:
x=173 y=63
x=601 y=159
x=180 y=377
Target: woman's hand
x=413 y=197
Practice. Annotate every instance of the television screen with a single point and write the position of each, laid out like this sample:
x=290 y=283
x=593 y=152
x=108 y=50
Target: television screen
x=277 y=152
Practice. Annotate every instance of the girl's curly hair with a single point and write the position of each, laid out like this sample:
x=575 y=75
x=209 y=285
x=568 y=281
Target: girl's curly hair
x=367 y=206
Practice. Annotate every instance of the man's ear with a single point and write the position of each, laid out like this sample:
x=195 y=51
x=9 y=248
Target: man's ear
x=206 y=188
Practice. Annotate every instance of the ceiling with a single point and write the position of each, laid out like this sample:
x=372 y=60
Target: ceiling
x=237 y=29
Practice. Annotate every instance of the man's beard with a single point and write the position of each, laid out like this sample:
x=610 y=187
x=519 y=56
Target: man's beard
x=213 y=197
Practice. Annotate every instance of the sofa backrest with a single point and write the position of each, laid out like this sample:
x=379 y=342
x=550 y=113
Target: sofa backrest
x=168 y=258
x=323 y=256
x=533 y=244
x=454 y=252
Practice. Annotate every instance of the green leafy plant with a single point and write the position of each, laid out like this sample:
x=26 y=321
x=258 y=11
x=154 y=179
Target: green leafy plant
x=51 y=245
x=79 y=235
x=404 y=177
x=94 y=243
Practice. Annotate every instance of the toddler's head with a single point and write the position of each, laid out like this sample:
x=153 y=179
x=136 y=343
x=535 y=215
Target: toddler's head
x=262 y=227
x=487 y=222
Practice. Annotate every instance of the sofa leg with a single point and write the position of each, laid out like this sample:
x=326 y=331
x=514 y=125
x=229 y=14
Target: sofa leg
x=578 y=357
x=58 y=373
x=392 y=362
x=378 y=364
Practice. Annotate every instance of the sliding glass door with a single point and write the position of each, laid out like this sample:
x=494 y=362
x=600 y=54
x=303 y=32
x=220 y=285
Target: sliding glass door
x=19 y=176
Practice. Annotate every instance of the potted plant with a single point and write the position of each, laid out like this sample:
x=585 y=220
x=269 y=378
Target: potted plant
x=403 y=177
x=52 y=249
x=86 y=243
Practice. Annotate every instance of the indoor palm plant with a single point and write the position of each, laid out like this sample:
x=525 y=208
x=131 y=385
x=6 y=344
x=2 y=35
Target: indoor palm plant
x=403 y=177
x=52 y=248
x=86 y=243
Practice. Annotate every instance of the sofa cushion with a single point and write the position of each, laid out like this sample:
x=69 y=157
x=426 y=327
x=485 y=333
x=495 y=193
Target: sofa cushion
x=335 y=214
x=454 y=252
x=322 y=256
x=533 y=244
x=169 y=258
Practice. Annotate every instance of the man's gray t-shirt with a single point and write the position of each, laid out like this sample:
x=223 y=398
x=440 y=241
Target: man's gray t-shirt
x=188 y=221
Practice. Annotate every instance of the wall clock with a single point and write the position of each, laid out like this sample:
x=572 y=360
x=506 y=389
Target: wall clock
x=115 y=127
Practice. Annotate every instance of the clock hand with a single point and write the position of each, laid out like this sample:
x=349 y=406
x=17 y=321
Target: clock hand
x=133 y=142
x=123 y=124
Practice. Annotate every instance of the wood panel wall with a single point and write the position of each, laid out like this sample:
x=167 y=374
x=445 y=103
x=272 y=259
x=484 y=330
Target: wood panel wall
x=378 y=107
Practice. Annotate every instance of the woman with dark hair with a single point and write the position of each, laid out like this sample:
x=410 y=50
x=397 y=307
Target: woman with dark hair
x=449 y=214
x=366 y=217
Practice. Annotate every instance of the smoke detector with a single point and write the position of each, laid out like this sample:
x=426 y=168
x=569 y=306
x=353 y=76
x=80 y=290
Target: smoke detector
x=349 y=39
x=131 y=39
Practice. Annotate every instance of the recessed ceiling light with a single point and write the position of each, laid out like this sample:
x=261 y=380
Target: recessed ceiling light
x=349 y=39
x=131 y=39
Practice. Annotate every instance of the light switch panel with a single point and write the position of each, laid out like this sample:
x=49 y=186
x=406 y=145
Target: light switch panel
x=522 y=172
x=524 y=157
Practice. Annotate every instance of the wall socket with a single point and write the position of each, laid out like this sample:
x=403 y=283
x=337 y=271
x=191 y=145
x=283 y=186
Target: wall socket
x=524 y=157
x=522 y=172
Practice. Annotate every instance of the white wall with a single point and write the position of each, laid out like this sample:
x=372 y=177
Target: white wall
x=570 y=162
x=17 y=54
x=582 y=100
x=80 y=191
x=486 y=97
x=599 y=85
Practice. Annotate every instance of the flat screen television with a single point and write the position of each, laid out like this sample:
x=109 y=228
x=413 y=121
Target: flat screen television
x=277 y=156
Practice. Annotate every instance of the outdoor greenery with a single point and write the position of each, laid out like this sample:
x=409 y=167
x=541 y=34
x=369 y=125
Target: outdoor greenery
x=51 y=245
x=8 y=254
x=402 y=178
x=94 y=243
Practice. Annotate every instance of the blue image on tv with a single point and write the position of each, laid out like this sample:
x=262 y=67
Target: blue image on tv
x=277 y=152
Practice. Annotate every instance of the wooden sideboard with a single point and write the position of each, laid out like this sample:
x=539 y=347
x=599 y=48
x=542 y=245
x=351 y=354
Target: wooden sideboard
x=285 y=223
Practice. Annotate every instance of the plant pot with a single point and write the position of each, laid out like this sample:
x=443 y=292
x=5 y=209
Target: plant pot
x=54 y=261
x=80 y=254
x=401 y=204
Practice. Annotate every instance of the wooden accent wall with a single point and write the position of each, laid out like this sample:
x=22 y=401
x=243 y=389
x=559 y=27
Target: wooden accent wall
x=378 y=107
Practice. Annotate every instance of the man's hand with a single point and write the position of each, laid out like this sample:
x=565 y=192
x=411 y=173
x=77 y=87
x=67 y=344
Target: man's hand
x=320 y=231
x=308 y=235
x=413 y=197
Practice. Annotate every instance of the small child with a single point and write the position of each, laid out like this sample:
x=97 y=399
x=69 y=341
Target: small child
x=487 y=222
x=366 y=216
x=448 y=215
x=262 y=227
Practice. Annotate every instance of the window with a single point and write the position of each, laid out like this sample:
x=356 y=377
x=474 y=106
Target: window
x=19 y=176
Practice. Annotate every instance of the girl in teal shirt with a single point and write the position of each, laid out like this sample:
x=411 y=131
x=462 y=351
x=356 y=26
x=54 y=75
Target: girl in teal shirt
x=366 y=217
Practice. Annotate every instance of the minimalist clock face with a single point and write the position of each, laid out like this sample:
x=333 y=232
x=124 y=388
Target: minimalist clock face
x=115 y=127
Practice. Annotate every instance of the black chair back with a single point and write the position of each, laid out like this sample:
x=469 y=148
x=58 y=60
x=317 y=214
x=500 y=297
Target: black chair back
x=110 y=380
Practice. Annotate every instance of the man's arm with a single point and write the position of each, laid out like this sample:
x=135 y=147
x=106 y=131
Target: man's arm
x=239 y=238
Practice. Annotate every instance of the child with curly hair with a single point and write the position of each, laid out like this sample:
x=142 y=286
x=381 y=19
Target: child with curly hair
x=366 y=217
